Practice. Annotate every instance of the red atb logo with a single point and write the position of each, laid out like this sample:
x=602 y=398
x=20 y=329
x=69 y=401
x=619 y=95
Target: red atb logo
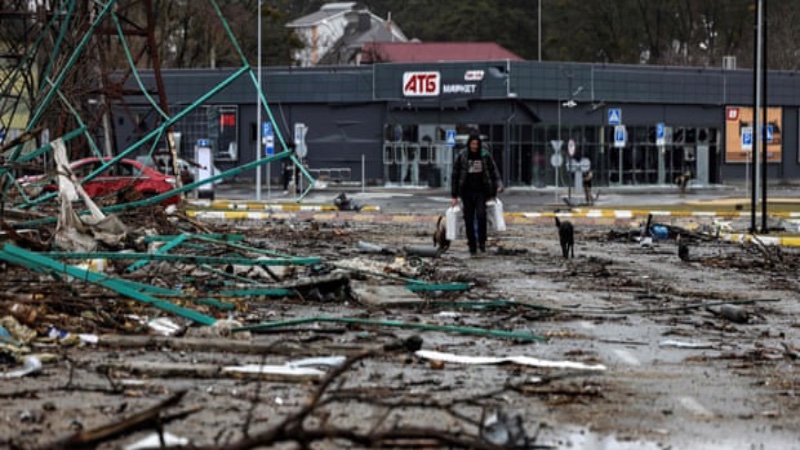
x=421 y=84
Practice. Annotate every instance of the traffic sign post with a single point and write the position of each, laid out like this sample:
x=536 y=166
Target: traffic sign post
x=300 y=148
x=747 y=147
x=268 y=138
x=620 y=136
x=450 y=138
x=747 y=139
x=556 y=160
x=614 y=116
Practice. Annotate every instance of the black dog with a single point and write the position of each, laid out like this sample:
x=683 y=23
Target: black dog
x=440 y=235
x=566 y=237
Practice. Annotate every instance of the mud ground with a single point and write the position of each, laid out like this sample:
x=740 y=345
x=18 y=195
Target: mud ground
x=698 y=354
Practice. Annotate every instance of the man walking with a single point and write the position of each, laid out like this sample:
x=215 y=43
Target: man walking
x=475 y=180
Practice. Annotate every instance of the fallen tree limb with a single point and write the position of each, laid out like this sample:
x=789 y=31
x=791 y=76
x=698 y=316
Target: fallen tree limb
x=148 y=418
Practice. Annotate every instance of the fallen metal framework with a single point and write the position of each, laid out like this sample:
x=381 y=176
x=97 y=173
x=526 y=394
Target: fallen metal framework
x=56 y=82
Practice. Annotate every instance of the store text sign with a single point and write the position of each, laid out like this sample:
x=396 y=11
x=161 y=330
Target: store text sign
x=422 y=84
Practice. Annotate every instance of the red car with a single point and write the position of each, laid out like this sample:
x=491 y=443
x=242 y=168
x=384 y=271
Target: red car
x=121 y=175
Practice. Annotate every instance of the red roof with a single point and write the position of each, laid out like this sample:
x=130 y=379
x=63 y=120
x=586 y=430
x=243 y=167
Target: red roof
x=434 y=51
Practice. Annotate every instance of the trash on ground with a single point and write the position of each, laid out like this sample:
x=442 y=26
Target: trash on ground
x=521 y=360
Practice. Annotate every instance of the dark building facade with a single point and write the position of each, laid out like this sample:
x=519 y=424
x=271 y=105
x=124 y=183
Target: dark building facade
x=398 y=124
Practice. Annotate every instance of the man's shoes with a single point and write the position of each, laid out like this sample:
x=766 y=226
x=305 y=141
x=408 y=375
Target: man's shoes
x=472 y=251
x=483 y=247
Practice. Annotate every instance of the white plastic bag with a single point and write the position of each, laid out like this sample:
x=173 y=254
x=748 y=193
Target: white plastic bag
x=494 y=215
x=454 y=220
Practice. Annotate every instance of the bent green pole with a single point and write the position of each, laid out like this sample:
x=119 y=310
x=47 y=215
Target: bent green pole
x=38 y=262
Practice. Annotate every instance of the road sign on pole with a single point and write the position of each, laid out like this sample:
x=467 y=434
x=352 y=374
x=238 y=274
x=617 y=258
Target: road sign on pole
x=268 y=138
x=747 y=139
x=450 y=138
x=300 y=147
x=620 y=136
x=615 y=116
x=661 y=138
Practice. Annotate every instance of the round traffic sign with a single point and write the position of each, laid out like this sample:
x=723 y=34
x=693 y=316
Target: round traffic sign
x=586 y=164
x=571 y=147
x=556 y=160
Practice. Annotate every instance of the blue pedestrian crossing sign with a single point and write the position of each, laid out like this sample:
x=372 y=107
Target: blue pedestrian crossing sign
x=614 y=116
x=268 y=138
x=747 y=139
x=450 y=138
x=620 y=136
x=661 y=138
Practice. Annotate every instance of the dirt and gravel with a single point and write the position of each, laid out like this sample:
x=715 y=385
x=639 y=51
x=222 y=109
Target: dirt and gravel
x=659 y=352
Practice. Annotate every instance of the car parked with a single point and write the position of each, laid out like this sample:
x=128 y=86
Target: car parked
x=189 y=169
x=124 y=174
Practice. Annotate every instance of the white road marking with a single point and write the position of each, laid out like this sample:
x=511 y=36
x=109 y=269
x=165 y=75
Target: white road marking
x=587 y=325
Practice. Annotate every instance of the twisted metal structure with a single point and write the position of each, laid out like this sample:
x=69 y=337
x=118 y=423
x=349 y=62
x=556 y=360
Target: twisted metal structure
x=66 y=67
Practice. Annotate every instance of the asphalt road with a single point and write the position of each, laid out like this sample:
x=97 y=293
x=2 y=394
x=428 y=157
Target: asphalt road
x=435 y=201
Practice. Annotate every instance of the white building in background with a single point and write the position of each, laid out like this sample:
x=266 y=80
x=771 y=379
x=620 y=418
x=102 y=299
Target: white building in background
x=336 y=33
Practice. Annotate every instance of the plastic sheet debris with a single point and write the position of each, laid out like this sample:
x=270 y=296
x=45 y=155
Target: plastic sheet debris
x=31 y=365
x=164 y=326
x=154 y=441
x=505 y=430
x=327 y=361
x=17 y=331
x=659 y=232
x=65 y=337
x=522 y=360
x=685 y=344
x=300 y=367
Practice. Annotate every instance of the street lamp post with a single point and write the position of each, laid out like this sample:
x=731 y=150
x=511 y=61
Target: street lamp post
x=571 y=103
x=539 y=41
x=258 y=110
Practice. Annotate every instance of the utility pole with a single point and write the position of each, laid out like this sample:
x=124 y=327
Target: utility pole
x=258 y=110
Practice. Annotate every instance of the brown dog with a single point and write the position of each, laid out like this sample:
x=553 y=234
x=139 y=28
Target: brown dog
x=440 y=235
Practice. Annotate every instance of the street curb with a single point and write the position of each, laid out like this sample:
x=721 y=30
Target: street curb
x=782 y=241
x=264 y=206
x=632 y=213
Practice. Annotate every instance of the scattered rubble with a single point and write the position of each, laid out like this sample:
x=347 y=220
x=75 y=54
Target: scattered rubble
x=311 y=332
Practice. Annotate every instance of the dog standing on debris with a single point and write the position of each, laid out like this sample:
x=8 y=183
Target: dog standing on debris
x=566 y=237
x=440 y=235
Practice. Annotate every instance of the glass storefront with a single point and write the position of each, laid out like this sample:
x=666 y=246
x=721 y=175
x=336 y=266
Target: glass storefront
x=419 y=155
